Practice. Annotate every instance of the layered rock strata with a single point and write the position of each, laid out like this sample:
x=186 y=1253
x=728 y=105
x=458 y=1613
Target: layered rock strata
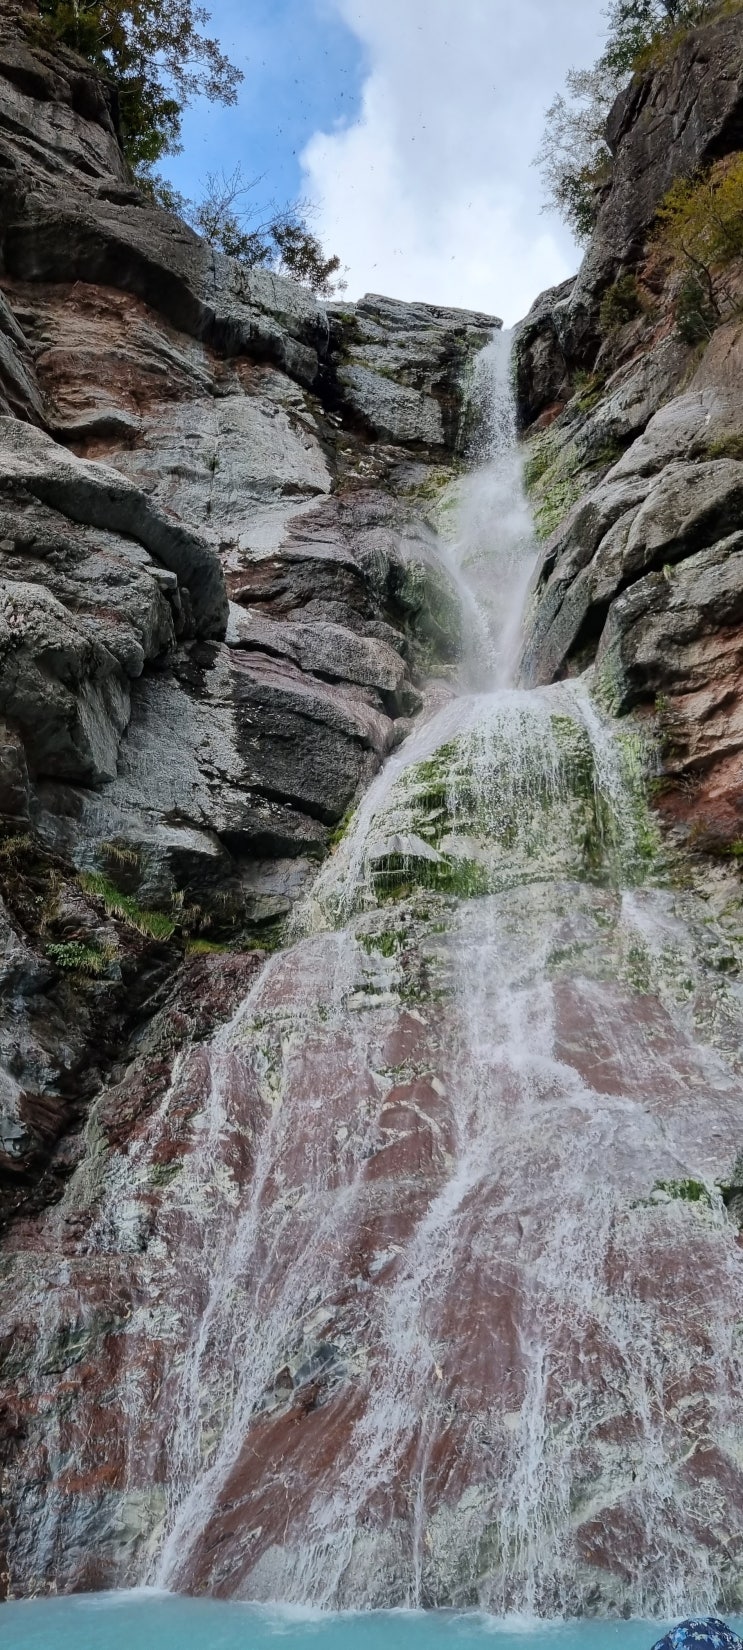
x=220 y=596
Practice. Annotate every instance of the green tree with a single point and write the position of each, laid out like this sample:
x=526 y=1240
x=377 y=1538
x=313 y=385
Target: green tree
x=700 y=227
x=300 y=255
x=635 y=24
x=574 y=159
x=275 y=238
x=157 y=56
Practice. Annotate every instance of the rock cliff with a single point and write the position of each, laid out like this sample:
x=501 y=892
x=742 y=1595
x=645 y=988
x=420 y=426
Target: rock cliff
x=635 y=449
x=219 y=594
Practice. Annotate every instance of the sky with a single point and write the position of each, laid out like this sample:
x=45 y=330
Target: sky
x=411 y=126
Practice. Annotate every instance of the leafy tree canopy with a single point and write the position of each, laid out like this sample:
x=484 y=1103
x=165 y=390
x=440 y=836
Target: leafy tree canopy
x=575 y=159
x=635 y=25
x=158 y=57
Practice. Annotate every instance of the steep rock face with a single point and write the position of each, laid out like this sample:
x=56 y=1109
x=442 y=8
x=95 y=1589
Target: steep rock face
x=669 y=122
x=343 y=1301
x=219 y=593
x=636 y=470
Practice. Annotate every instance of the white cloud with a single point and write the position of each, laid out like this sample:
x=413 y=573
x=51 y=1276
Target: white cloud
x=431 y=194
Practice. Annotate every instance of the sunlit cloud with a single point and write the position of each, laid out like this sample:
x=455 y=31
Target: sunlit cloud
x=430 y=193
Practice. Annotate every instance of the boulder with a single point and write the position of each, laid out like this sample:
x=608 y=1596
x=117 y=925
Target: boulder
x=96 y=495
x=64 y=691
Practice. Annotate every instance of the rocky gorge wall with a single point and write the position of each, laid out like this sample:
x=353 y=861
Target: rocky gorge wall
x=220 y=595
x=390 y=1256
x=635 y=448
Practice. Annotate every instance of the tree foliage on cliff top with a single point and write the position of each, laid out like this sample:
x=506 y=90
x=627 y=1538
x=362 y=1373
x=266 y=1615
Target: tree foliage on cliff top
x=158 y=58
x=277 y=238
x=635 y=26
x=156 y=55
x=575 y=159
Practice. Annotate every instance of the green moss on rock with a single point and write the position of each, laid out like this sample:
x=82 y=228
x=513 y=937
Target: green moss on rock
x=685 y=1191
x=553 y=480
x=157 y=925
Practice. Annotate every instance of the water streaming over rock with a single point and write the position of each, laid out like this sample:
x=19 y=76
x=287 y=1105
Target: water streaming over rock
x=484 y=1196
x=491 y=549
x=443 y=1299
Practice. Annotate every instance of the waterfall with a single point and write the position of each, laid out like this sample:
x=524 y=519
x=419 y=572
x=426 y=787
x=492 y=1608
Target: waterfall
x=451 y=1296
x=492 y=569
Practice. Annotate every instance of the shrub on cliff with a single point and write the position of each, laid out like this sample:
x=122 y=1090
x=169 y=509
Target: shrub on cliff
x=156 y=55
x=575 y=159
x=636 y=27
x=278 y=238
x=700 y=226
x=622 y=302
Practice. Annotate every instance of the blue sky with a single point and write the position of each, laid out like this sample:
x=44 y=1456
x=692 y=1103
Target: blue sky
x=304 y=71
x=412 y=124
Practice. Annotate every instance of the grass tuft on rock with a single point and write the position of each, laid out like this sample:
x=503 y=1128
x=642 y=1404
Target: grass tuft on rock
x=156 y=925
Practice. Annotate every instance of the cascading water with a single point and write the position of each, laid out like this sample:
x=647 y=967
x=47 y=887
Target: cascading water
x=492 y=552
x=443 y=1304
x=459 y=1251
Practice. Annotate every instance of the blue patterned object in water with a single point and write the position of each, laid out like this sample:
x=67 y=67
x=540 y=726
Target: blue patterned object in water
x=700 y=1633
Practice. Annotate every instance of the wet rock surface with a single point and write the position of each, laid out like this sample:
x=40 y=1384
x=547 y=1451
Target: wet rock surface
x=290 y=1310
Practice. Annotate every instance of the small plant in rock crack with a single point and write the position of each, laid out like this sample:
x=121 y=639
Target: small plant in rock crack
x=72 y=956
x=620 y=304
x=157 y=925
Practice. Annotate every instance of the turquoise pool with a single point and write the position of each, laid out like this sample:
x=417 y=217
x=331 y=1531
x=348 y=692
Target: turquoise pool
x=151 y=1621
